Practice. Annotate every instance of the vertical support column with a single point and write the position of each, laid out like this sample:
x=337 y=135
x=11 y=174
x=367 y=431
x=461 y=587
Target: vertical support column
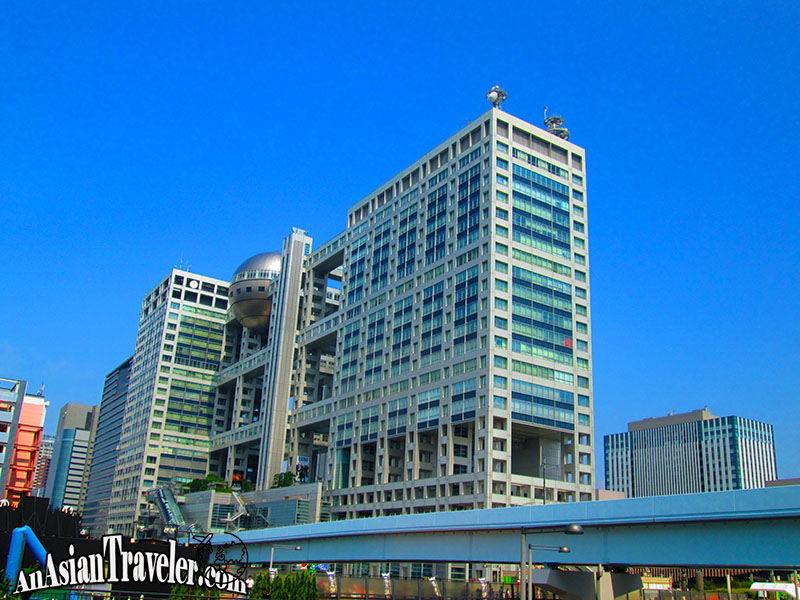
x=599 y=583
x=530 y=573
x=522 y=594
x=794 y=580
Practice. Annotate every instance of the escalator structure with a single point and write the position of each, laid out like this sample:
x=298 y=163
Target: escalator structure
x=171 y=516
x=247 y=516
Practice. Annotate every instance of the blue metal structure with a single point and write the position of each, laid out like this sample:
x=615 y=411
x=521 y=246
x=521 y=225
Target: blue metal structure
x=21 y=538
x=743 y=528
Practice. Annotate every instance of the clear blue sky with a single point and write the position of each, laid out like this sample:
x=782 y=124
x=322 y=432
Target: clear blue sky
x=132 y=134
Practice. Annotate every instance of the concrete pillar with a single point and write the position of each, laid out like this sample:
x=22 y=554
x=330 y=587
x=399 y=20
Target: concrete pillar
x=522 y=593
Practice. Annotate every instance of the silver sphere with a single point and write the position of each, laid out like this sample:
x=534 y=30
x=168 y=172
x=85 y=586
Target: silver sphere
x=249 y=291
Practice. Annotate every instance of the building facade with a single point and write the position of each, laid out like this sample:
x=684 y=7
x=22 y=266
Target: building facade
x=435 y=355
x=43 y=465
x=168 y=406
x=21 y=429
x=104 y=454
x=439 y=349
x=689 y=453
x=68 y=474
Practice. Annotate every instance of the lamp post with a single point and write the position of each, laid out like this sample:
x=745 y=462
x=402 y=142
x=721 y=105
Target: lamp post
x=272 y=554
x=544 y=467
x=526 y=562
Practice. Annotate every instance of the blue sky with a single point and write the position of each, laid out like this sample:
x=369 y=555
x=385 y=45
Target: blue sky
x=132 y=135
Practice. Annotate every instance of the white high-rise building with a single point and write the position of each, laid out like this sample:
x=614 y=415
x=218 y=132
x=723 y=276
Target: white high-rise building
x=435 y=355
x=167 y=422
x=689 y=453
x=438 y=355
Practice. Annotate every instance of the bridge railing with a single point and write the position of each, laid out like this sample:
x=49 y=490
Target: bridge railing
x=679 y=595
x=374 y=588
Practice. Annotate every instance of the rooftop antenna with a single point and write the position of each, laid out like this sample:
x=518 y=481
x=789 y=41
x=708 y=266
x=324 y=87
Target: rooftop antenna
x=180 y=265
x=495 y=96
x=554 y=124
x=40 y=393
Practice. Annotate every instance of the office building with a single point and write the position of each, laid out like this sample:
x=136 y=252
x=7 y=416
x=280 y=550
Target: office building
x=21 y=426
x=689 y=453
x=42 y=465
x=178 y=351
x=68 y=475
x=436 y=354
x=104 y=454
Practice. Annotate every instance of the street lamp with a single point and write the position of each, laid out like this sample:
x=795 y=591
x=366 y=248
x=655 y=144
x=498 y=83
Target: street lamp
x=544 y=466
x=526 y=563
x=272 y=554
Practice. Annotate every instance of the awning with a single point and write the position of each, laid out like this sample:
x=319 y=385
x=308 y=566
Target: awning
x=786 y=588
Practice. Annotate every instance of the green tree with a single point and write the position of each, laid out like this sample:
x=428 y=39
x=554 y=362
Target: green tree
x=179 y=592
x=209 y=482
x=291 y=585
x=283 y=479
x=314 y=592
x=5 y=588
x=260 y=586
x=276 y=591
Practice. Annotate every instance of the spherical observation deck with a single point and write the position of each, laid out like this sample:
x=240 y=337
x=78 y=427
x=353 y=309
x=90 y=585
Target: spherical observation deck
x=249 y=291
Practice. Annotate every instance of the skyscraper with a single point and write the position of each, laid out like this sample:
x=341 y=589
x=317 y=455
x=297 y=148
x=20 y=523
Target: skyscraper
x=167 y=422
x=42 y=465
x=688 y=453
x=21 y=426
x=435 y=355
x=69 y=468
x=104 y=454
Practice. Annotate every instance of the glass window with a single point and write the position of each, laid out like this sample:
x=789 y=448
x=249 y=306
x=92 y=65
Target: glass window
x=580 y=309
x=501 y=362
x=581 y=346
x=501 y=147
x=501 y=304
x=583 y=400
x=583 y=364
x=580 y=275
x=501 y=231
x=502 y=197
x=500 y=285
x=578 y=226
x=500 y=382
x=581 y=327
x=577 y=179
x=502 y=163
x=579 y=242
x=501 y=267
x=580 y=292
x=577 y=195
x=583 y=419
x=501 y=214
x=501 y=342
x=501 y=248
x=578 y=211
x=499 y=402
x=580 y=259
x=501 y=323
x=502 y=180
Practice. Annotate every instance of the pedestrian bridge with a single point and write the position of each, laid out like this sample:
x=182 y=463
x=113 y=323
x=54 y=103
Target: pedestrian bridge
x=744 y=528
